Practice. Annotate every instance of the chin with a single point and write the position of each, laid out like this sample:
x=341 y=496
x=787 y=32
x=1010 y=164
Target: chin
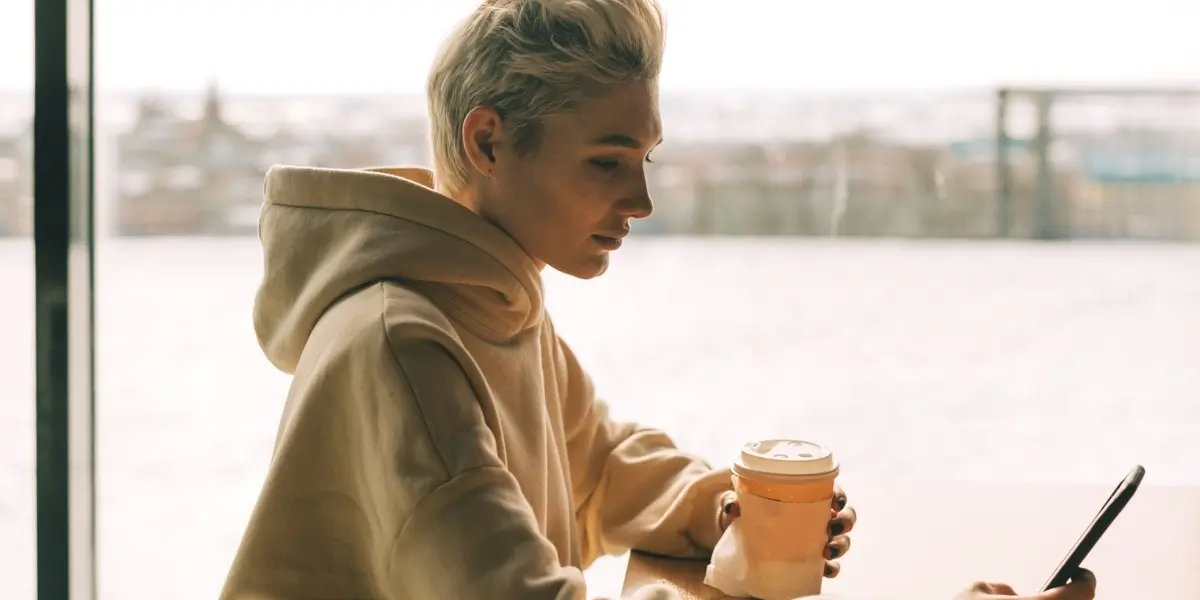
x=584 y=267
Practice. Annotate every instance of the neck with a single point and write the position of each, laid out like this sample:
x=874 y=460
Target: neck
x=463 y=196
x=470 y=197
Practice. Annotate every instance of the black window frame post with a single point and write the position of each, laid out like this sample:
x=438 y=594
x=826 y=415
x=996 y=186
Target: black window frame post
x=64 y=272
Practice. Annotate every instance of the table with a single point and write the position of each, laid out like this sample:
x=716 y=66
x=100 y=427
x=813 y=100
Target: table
x=929 y=540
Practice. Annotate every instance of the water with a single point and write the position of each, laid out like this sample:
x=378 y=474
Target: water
x=951 y=360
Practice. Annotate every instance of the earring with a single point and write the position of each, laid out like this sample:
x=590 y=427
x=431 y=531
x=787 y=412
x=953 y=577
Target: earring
x=488 y=175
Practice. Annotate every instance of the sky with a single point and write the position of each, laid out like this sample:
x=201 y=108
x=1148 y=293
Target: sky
x=386 y=46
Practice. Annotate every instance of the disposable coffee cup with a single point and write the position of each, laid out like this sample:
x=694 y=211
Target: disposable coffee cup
x=785 y=491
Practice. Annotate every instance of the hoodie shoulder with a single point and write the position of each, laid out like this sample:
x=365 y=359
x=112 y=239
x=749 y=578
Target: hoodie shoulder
x=393 y=310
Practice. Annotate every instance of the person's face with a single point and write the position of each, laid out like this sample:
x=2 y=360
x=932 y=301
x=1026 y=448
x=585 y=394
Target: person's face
x=570 y=201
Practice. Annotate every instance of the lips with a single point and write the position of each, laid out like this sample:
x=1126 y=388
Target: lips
x=608 y=242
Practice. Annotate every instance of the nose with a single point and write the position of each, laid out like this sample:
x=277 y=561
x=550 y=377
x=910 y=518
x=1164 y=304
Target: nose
x=637 y=205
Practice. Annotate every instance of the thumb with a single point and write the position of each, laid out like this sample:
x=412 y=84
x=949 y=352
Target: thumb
x=1082 y=587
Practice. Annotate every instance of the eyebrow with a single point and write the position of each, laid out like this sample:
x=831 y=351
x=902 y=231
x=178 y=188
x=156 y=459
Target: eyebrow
x=620 y=139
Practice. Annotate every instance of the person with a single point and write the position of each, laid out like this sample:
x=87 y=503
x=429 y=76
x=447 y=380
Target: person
x=439 y=438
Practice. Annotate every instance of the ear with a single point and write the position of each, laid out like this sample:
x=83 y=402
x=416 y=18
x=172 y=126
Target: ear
x=483 y=131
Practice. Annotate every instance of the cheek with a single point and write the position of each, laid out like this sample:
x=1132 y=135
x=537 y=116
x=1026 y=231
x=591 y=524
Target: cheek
x=555 y=209
x=542 y=216
x=570 y=204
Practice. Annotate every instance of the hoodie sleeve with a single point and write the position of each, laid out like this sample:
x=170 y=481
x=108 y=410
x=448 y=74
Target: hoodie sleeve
x=386 y=483
x=634 y=489
x=474 y=535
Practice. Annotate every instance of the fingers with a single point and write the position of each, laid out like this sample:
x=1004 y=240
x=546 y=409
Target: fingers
x=839 y=498
x=729 y=504
x=729 y=509
x=998 y=589
x=1002 y=589
x=844 y=521
x=982 y=590
x=1082 y=587
x=838 y=546
x=833 y=567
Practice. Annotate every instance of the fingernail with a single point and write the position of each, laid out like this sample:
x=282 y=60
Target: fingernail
x=728 y=508
x=828 y=570
x=835 y=527
x=833 y=552
x=841 y=503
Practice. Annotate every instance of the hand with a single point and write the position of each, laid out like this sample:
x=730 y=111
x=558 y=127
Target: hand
x=1082 y=587
x=842 y=518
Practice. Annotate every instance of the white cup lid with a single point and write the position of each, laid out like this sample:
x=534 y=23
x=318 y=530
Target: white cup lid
x=787 y=457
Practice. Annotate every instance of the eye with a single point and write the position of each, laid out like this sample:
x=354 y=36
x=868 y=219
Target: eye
x=605 y=164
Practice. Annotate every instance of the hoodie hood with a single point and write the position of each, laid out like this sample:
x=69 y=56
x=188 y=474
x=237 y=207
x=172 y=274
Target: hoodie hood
x=328 y=232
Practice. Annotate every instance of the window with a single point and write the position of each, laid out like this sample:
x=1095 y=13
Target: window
x=17 y=421
x=1026 y=358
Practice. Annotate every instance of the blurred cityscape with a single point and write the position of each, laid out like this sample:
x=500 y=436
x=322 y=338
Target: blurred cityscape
x=1075 y=164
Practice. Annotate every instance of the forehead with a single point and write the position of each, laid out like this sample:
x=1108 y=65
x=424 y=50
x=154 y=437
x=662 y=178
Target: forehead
x=626 y=111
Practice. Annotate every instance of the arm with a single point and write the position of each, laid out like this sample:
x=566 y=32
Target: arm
x=386 y=484
x=633 y=488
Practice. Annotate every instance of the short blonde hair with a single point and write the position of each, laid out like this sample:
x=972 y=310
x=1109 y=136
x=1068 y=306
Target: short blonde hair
x=532 y=59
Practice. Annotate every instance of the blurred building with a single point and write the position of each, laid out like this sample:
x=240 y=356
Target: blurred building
x=204 y=175
x=16 y=181
x=759 y=166
x=855 y=184
x=1128 y=190
x=184 y=176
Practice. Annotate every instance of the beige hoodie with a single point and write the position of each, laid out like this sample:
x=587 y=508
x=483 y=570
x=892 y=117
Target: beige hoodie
x=439 y=440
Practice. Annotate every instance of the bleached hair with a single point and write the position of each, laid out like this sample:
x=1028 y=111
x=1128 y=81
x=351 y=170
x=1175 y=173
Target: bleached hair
x=533 y=59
